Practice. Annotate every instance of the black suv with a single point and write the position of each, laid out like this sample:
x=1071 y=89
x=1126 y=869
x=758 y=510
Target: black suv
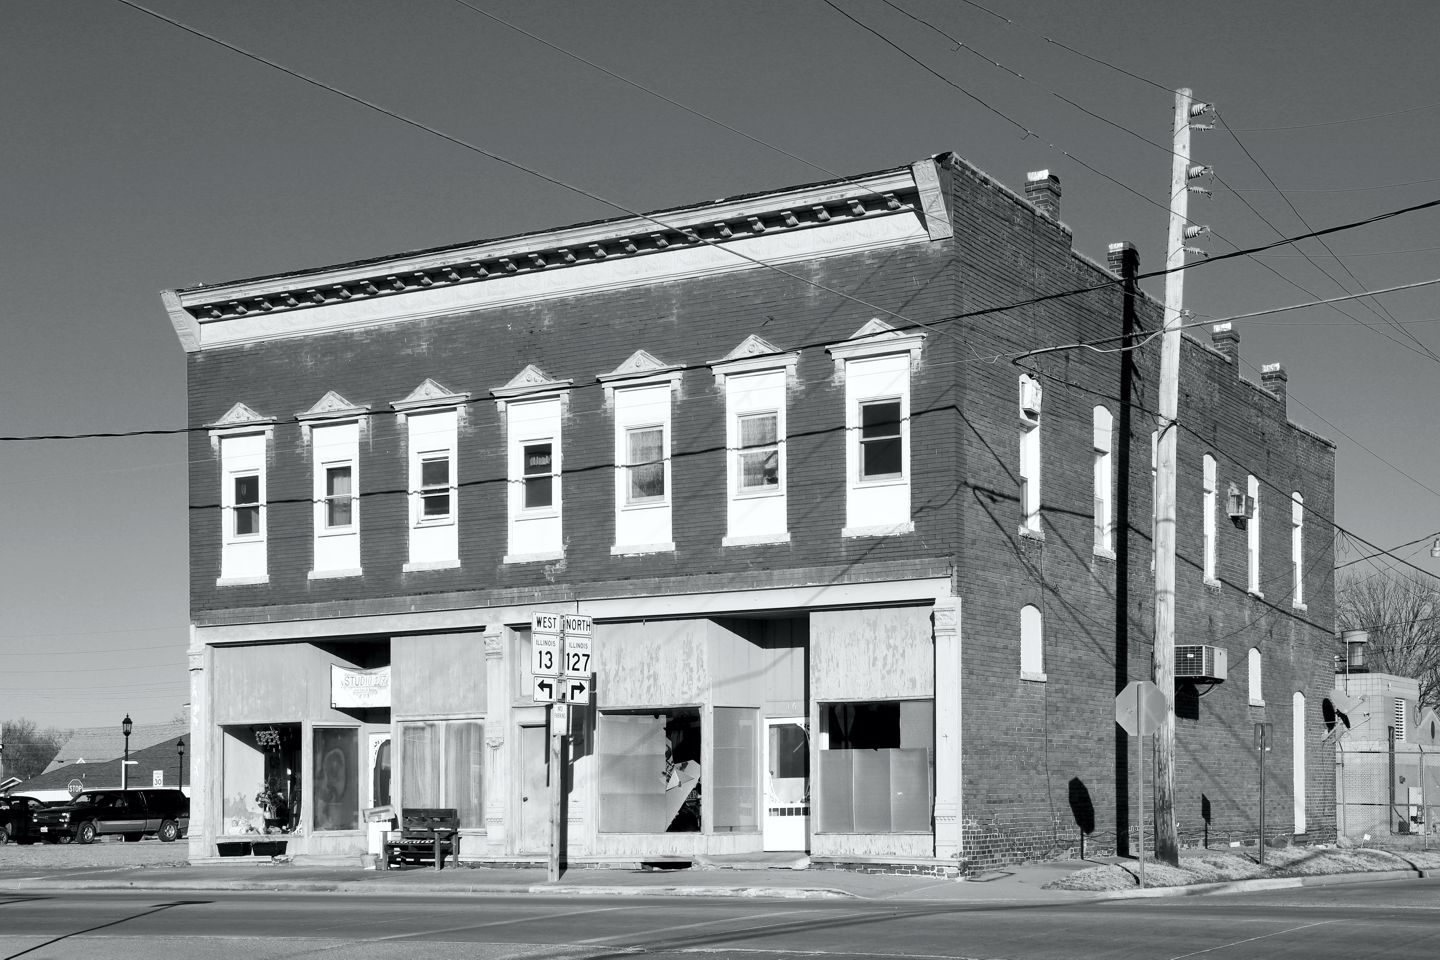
x=130 y=813
x=15 y=814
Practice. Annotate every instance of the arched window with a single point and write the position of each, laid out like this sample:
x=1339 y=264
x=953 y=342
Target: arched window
x=1211 y=494
x=1032 y=644
x=1297 y=549
x=1297 y=742
x=1257 y=691
x=1252 y=530
x=1104 y=482
x=1029 y=455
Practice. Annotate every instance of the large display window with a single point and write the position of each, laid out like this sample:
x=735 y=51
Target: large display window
x=336 y=777
x=441 y=767
x=877 y=766
x=650 y=777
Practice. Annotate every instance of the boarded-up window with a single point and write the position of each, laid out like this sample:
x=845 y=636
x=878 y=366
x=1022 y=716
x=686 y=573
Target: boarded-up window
x=877 y=767
x=733 y=778
x=650 y=771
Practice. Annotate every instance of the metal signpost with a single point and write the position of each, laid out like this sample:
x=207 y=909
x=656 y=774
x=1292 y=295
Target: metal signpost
x=1140 y=708
x=1264 y=733
x=562 y=669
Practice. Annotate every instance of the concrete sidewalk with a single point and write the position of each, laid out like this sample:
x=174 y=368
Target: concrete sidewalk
x=1019 y=884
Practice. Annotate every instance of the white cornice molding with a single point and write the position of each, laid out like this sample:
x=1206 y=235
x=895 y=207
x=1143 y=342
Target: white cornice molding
x=429 y=396
x=241 y=419
x=875 y=339
x=530 y=383
x=332 y=406
x=640 y=369
x=753 y=355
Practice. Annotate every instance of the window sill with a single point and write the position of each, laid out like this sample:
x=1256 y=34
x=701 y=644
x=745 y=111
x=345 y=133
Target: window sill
x=1299 y=606
x=1032 y=677
x=349 y=531
x=890 y=480
x=767 y=493
x=420 y=565
x=1104 y=553
x=1028 y=534
x=1255 y=593
x=1211 y=584
x=659 y=503
x=240 y=581
x=335 y=574
x=637 y=549
x=757 y=540
x=533 y=557
x=426 y=524
x=1257 y=703
x=887 y=530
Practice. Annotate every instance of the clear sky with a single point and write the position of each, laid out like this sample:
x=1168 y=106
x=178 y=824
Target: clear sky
x=135 y=157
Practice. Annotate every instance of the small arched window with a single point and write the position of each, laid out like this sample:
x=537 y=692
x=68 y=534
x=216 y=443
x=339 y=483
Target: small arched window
x=1104 y=482
x=1032 y=644
x=1257 y=690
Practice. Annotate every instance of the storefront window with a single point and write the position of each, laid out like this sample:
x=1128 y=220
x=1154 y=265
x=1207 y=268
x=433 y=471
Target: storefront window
x=441 y=767
x=337 y=778
x=260 y=777
x=650 y=774
x=733 y=787
x=876 y=766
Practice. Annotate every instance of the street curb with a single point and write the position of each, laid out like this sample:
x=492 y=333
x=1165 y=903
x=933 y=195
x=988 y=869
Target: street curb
x=1266 y=883
x=400 y=889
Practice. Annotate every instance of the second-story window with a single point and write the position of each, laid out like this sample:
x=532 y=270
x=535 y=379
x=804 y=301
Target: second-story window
x=339 y=496
x=245 y=512
x=758 y=458
x=334 y=426
x=882 y=444
x=241 y=442
x=641 y=394
x=1252 y=532
x=645 y=464
x=1297 y=550
x=435 y=493
x=755 y=379
x=1104 y=542
x=538 y=475
x=1210 y=494
x=432 y=418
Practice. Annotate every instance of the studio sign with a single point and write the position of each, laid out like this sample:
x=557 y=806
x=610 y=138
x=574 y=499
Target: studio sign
x=359 y=688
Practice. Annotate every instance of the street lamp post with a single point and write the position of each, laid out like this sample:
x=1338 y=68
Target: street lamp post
x=180 y=765
x=125 y=727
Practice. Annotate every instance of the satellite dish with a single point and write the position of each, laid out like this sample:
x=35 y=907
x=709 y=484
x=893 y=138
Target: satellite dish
x=74 y=787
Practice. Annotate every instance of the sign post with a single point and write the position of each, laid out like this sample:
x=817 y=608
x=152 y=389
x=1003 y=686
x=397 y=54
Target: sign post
x=561 y=668
x=1263 y=735
x=1139 y=708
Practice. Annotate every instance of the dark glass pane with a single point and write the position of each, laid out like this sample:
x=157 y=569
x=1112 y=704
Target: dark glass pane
x=537 y=459
x=880 y=457
x=435 y=473
x=247 y=489
x=539 y=492
x=647 y=481
x=337 y=481
x=880 y=419
x=338 y=512
x=435 y=504
x=759 y=431
x=759 y=470
x=247 y=521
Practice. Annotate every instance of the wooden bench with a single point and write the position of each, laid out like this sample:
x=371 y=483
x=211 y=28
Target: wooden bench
x=425 y=833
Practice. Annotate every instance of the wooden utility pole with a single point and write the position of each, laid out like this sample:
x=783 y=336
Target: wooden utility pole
x=559 y=727
x=1167 y=841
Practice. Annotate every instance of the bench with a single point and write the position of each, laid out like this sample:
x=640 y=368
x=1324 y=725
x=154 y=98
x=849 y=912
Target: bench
x=425 y=833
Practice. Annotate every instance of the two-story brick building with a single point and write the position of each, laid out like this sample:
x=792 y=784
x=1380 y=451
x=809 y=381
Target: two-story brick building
x=866 y=570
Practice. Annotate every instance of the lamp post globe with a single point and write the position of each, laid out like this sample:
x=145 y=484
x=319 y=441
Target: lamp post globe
x=125 y=727
x=180 y=765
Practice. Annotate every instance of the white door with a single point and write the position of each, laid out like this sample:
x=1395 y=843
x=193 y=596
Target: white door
x=787 y=784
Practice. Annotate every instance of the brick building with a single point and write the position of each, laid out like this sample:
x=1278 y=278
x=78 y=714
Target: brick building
x=866 y=571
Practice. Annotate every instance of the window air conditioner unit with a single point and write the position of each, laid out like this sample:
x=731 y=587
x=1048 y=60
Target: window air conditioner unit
x=1029 y=398
x=1237 y=505
x=1200 y=663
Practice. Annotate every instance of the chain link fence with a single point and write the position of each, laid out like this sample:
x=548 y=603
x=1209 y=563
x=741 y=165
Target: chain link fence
x=1386 y=791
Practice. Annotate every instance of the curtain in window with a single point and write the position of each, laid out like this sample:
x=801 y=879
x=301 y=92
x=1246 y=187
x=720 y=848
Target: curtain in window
x=419 y=769
x=464 y=748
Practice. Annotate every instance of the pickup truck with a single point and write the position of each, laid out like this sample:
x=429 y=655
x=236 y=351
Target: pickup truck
x=130 y=813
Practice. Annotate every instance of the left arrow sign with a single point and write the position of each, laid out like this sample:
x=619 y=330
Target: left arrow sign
x=544 y=689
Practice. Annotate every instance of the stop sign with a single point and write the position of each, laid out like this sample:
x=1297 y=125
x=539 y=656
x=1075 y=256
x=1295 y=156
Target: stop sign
x=1140 y=708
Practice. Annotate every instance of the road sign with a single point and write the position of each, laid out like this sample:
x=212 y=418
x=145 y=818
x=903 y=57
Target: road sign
x=576 y=690
x=1140 y=701
x=545 y=689
x=545 y=655
x=550 y=623
x=577 y=656
x=579 y=625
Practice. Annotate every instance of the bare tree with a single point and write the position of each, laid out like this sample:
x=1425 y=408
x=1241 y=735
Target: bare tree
x=1401 y=612
x=28 y=749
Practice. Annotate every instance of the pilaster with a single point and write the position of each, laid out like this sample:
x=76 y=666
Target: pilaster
x=948 y=729
x=497 y=719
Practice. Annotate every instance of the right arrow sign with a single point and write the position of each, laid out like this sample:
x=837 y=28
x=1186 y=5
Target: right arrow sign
x=577 y=691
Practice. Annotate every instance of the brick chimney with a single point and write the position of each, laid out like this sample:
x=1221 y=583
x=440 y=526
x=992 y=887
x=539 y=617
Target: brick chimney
x=1042 y=188
x=1118 y=253
x=1227 y=341
x=1273 y=378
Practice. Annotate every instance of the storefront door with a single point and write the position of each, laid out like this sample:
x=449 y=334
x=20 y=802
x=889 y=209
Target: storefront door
x=379 y=769
x=787 y=784
x=533 y=801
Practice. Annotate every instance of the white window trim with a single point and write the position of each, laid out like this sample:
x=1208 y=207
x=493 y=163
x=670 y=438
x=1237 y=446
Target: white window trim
x=1297 y=550
x=430 y=398
x=532 y=385
x=1104 y=493
x=240 y=421
x=1252 y=540
x=1210 y=538
x=1031 y=522
x=1255 y=676
x=755 y=356
x=1037 y=654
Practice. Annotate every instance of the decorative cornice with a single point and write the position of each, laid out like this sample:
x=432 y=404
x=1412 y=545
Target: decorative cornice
x=752 y=355
x=240 y=418
x=332 y=406
x=531 y=380
x=429 y=394
x=877 y=338
x=723 y=222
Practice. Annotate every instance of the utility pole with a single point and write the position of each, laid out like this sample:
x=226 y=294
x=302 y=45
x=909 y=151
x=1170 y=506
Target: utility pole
x=1167 y=841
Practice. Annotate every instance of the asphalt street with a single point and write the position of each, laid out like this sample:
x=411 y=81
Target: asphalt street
x=1397 y=920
